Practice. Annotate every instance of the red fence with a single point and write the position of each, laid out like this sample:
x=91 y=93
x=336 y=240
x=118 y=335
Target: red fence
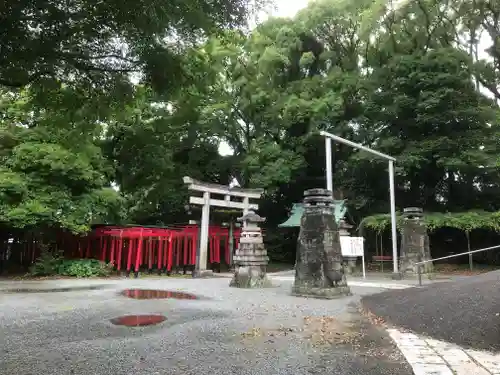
x=130 y=248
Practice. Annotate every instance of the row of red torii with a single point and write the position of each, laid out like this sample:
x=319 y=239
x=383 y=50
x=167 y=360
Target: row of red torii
x=165 y=249
x=130 y=248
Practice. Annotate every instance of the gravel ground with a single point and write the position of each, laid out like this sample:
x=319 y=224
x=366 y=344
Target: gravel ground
x=465 y=312
x=229 y=331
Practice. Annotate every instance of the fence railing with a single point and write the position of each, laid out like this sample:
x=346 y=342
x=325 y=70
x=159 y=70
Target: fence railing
x=420 y=264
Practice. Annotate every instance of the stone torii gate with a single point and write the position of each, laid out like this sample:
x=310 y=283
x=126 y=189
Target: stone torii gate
x=218 y=196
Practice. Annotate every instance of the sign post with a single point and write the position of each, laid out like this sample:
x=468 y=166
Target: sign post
x=354 y=247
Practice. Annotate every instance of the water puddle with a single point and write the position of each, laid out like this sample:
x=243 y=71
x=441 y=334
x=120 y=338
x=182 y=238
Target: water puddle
x=157 y=294
x=55 y=290
x=138 y=320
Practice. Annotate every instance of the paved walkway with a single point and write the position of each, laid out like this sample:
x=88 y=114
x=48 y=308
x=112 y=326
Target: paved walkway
x=463 y=314
x=433 y=357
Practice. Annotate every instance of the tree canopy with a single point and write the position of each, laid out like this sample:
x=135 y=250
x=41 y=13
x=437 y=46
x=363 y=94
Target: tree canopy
x=419 y=81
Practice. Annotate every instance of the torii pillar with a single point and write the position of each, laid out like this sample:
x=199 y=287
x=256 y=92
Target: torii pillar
x=233 y=198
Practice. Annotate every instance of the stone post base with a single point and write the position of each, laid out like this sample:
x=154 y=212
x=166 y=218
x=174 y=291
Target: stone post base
x=323 y=293
x=250 y=277
x=202 y=273
x=412 y=275
x=350 y=265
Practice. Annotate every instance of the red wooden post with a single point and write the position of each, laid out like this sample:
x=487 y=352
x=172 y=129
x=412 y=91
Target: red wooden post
x=104 y=248
x=161 y=245
x=151 y=248
x=112 y=250
x=170 y=252
x=138 y=259
x=226 y=241
x=129 y=255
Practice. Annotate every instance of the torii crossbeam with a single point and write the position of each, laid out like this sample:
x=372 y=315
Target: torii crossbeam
x=229 y=198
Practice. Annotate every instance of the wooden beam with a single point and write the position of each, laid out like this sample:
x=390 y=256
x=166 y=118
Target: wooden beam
x=223 y=203
x=222 y=189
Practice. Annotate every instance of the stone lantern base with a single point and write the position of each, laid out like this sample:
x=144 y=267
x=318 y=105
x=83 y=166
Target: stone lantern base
x=250 y=277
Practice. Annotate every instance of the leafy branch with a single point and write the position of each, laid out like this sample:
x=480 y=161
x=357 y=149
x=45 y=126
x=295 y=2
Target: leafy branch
x=464 y=221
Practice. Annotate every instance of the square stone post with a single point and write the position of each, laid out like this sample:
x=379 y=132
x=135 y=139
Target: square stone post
x=414 y=243
x=319 y=272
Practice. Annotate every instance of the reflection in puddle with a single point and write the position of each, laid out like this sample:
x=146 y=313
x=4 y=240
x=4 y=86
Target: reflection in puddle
x=156 y=294
x=138 y=320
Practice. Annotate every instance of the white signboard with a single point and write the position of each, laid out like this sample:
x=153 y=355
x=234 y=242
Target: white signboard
x=352 y=246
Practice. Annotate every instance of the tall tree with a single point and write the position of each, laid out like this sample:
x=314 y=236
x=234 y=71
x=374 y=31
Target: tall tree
x=96 y=42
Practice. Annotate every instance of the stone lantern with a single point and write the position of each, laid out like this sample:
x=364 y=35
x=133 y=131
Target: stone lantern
x=251 y=258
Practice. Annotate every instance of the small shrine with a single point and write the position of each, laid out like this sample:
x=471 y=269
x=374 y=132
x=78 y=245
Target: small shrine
x=339 y=210
x=250 y=259
x=319 y=271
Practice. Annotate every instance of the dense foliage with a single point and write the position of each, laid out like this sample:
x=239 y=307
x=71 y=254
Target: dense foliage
x=420 y=81
x=52 y=264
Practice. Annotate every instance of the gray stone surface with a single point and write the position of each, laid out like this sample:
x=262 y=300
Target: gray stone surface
x=319 y=268
x=465 y=311
x=70 y=333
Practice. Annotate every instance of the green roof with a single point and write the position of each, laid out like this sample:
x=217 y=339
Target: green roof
x=339 y=211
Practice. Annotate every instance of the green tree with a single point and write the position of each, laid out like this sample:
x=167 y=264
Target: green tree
x=47 y=180
x=97 y=43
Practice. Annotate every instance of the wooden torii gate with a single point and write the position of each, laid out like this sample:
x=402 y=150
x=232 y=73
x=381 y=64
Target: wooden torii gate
x=209 y=198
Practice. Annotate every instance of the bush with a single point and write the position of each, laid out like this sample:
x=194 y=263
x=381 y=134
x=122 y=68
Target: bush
x=52 y=264
x=84 y=268
x=47 y=264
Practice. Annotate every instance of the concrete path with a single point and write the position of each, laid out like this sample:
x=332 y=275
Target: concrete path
x=464 y=312
x=446 y=328
x=226 y=331
x=429 y=356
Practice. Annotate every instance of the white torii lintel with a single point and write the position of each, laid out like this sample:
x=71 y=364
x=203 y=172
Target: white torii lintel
x=206 y=202
x=392 y=194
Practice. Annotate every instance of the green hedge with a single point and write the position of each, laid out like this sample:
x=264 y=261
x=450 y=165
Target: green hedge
x=465 y=221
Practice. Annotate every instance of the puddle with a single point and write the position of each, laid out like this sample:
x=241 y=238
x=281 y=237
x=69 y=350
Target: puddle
x=138 y=320
x=157 y=294
x=54 y=290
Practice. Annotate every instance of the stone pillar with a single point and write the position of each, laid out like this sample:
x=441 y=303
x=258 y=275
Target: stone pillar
x=349 y=262
x=200 y=269
x=318 y=270
x=414 y=243
x=250 y=260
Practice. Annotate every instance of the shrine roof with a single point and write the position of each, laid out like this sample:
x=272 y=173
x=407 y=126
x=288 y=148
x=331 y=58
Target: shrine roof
x=339 y=211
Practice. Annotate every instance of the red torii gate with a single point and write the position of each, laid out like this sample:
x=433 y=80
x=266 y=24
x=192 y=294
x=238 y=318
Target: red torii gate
x=161 y=248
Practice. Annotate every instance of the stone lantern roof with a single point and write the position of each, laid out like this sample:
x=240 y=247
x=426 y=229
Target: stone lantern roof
x=251 y=217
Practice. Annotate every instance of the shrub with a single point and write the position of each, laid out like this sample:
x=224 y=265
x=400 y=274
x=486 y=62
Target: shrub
x=84 y=268
x=51 y=263
x=47 y=264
